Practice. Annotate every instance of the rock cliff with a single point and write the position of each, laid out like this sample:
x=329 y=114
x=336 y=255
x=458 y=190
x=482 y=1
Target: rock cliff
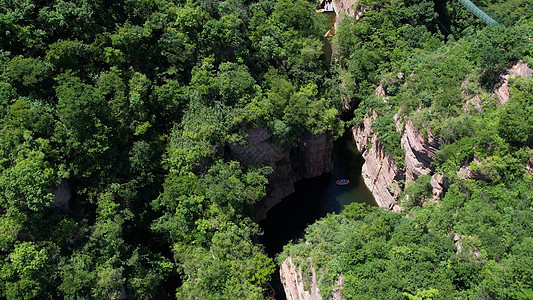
x=295 y=283
x=300 y=285
x=312 y=157
x=419 y=152
x=440 y=185
x=344 y=8
x=520 y=69
x=379 y=171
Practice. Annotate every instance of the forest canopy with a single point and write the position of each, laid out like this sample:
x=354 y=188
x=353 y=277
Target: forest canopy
x=127 y=106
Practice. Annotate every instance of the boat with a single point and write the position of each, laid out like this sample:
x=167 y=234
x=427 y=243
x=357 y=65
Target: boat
x=342 y=182
x=320 y=10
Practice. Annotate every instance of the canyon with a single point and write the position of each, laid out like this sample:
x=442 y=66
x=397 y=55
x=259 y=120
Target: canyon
x=382 y=174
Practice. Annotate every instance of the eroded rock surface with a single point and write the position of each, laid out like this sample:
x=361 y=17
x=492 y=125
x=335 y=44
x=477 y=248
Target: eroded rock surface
x=344 y=8
x=379 y=171
x=529 y=165
x=419 y=152
x=440 y=185
x=297 y=285
x=521 y=69
x=312 y=157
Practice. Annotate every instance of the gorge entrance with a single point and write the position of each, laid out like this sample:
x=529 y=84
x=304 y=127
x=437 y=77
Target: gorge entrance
x=313 y=199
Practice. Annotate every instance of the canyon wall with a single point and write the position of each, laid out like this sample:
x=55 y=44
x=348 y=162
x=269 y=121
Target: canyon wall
x=381 y=173
x=300 y=285
x=296 y=286
x=311 y=158
x=344 y=8
x=520 y=69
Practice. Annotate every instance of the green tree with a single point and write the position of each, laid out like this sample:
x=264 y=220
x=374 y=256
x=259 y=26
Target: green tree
x=26 y=184
x=28 y=271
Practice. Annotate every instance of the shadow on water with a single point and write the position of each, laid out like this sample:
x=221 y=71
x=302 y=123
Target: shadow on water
x=313 y=199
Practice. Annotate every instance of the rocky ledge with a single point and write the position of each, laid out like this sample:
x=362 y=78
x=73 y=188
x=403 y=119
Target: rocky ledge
x=382 y=174
x=301 y=285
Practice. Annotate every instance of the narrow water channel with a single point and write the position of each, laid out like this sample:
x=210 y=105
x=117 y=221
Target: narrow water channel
x=313 y=199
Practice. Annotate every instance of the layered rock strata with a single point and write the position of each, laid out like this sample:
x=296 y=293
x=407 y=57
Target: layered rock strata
x=520 y=69
x=439 y=185
x=344 y=8
x=304 y=286
x=379 y=171
x=295 y=285
x=419 y=152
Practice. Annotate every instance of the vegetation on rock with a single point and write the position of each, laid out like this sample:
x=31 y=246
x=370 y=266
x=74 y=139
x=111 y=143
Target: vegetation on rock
x=133 y=103
x=441 y=77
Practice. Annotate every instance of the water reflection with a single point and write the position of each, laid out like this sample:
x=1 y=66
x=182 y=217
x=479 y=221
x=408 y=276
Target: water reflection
x=347 y=164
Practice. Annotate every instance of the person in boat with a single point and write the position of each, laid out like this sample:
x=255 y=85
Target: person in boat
x=342 y=182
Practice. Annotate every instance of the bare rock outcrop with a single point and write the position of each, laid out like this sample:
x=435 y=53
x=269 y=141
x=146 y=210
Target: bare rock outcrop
x=477 y=170
x=529 y=165
x=521 y=69
x=440 y=185
x=379 y=171
x=297 y=285
x=336 y=295
x=344 y=8
x=380 y=91
x=312 y=157
x=419 y=152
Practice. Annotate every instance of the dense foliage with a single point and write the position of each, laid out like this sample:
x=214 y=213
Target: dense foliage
x=129 y=105
x=476 y=243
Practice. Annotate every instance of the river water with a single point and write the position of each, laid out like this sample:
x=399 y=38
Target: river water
x=313 y=199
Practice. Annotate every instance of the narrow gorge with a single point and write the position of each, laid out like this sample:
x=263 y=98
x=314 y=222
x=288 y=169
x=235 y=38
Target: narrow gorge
x=389 y=177
x=259 y=149
x=386 y=179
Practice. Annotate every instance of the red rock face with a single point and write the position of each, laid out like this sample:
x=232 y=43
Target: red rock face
x=440 y=186
x=419 y=152
x=379 y=171
x=293 y=281
x=519 y=70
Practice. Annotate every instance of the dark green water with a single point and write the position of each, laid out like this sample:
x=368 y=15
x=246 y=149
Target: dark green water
x=313 y=199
